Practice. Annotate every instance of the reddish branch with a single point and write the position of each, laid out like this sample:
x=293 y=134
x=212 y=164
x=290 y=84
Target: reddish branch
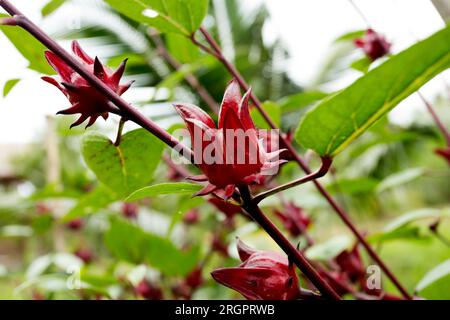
x=216 y=51
x=134 y=115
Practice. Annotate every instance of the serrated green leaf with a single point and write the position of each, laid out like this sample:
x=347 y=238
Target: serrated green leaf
x=130 y=243
x=172 y=16
x=9 y=85
x=127 y=167
x=164 y=189
x=51 y=7
x=31 y=49
x=337 y=121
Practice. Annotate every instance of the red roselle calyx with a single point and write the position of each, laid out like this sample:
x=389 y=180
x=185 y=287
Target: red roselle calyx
x=293 y=218
x=148 y=291
x=263 y=275
x=130 y=210
x=230 y=154
x=75 y=224
x=85 y=99
x=191 y=217
x=219 y=246
x=350 y=262
x=373 y=44
x=444 y=152
x=84 y=254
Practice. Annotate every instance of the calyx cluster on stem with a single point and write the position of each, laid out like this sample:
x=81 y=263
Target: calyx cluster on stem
x=373 y=44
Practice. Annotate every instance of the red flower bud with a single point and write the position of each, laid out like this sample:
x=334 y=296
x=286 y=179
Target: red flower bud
x=337 y=280
x=444 y=152
x=191 y=217
x=294 y=219
x=219 y=246
x=85 y=99
x=351 y=263
x=148 y=291
x=373 y=44
x=194 y=279
x=130 y=210
x=232 y=153
x=84 y=254
x=75 y=224
x=263 y=275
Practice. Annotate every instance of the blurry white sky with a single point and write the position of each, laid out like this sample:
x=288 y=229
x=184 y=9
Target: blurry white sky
x=307 y=27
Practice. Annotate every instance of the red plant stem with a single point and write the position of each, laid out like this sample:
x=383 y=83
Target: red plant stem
x=127 y=111
x=294 y=255
x=436 y=118
x=134 y=115
x=326 y=163
x=342 y=214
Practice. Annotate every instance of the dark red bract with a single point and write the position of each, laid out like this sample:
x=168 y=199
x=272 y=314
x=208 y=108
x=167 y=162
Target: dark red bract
x=263 y=275
x=373 y=44
x=85 y=99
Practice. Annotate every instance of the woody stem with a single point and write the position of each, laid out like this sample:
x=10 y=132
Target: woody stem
x=285 y=143
x=324 y=168
x=294 y=255
x=127 y=111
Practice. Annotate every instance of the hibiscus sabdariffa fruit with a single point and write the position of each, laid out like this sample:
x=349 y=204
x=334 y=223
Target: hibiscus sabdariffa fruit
x=373 y=44
x=85 y=99
x=232 y=153
x=263 y=275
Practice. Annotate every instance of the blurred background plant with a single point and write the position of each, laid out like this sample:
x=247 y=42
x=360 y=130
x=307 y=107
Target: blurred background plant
x=63 y=234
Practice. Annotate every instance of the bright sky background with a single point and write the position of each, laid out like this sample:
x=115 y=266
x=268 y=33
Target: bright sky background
x=307 y=27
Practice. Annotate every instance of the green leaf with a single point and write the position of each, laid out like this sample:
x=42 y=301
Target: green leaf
x=182 y=48
x=338 y=120
x=353 y=186
x=400 y=178
x=438 y=273
x=362 y=64
x=350 y=36
x=130 y=243
x=51 y=7
x=173 y=16
x=329 y=249
x=164 y=189
x=90 y=203
x=272 y=109
x=9 y=85
x=29 y=47
x=127 y=167
x=425 y=213
x=300 y=100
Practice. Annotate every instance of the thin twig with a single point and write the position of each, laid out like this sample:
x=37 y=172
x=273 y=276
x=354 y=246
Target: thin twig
x=436 y=118
x=325 y=166
x=119 y=131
